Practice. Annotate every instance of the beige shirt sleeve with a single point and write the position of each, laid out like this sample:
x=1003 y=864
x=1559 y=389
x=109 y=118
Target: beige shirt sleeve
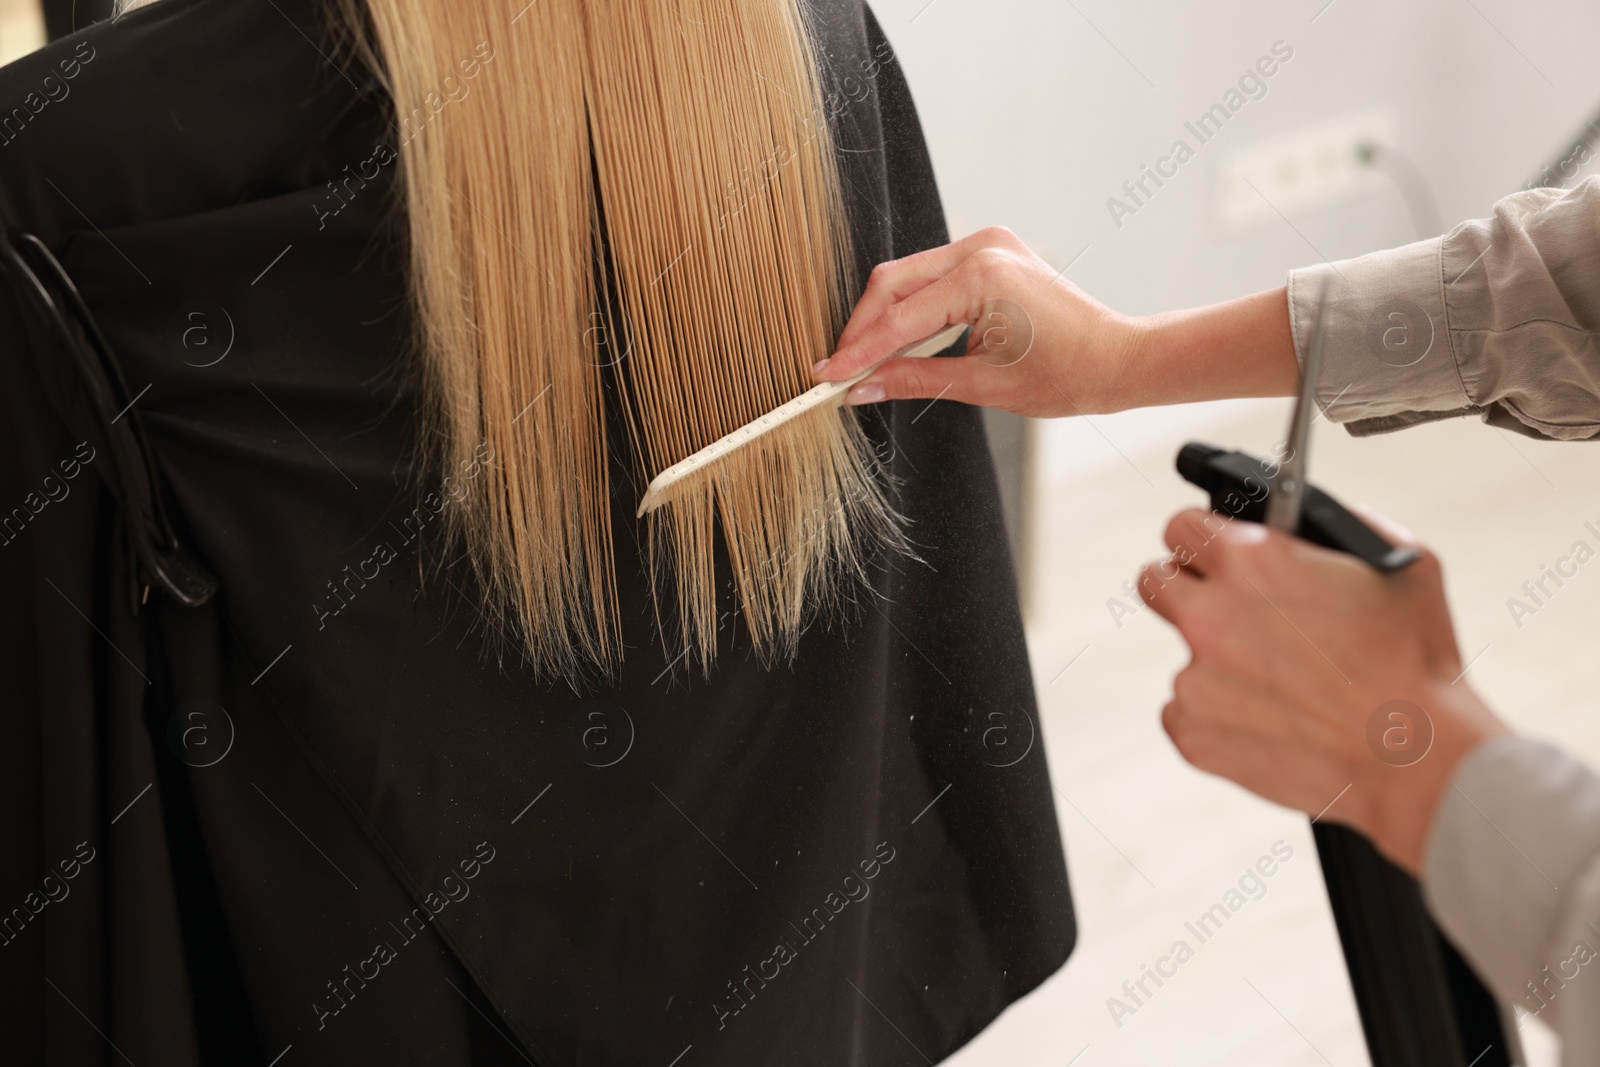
x=1511 y=871
x=1498 y=318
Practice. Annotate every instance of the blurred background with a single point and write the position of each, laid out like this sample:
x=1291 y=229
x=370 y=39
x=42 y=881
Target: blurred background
x=1391 y=121
x=1037 y=112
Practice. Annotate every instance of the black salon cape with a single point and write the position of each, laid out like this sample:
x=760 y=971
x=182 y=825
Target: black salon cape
x=314 y=821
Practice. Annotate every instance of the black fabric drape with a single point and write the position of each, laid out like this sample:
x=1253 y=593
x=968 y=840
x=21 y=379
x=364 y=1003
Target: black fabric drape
x=62 y=17
x=315 y=818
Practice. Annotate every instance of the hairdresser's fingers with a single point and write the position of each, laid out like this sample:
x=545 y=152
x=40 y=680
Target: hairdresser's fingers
x=1168 y=588
x=889 y=284
x=1186 y=534
x=922 y=314
x=895 y=280
x=967 y=379
x=992 y=271
x=980 y=378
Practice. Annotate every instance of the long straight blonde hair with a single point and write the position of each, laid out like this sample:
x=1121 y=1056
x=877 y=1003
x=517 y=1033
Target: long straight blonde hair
x=631 y=203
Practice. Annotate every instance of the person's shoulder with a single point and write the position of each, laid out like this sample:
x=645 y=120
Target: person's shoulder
x=171 y=108
x=72 y=91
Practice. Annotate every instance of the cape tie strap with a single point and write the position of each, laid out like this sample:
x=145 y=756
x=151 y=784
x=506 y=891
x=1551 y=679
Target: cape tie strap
x=163 y=562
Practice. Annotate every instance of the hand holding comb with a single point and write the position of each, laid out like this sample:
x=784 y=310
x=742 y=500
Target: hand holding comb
x=814 y=397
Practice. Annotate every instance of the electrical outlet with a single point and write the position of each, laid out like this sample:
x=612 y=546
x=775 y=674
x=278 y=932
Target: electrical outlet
x=1315 y=167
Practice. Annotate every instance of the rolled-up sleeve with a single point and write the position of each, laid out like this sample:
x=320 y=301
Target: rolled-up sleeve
x=1511 y=870
x=1497 y=318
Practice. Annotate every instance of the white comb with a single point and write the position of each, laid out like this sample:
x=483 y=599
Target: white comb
x=814 y=397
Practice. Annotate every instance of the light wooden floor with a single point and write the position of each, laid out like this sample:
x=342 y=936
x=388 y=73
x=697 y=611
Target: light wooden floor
x=1151 y=843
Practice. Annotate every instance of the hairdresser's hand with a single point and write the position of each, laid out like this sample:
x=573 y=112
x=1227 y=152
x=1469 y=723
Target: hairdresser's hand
x=1041 y=346
x=1298 y=657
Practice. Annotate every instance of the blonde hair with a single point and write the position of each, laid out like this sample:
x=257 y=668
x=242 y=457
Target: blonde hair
x=633 y=198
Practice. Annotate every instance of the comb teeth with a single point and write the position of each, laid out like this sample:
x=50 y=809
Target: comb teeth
x=816 y=398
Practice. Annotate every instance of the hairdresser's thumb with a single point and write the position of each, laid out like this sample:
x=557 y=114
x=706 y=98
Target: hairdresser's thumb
x=946 y=378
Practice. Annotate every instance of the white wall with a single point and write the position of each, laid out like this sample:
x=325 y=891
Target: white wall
x=1037 y=111
x=21 y=28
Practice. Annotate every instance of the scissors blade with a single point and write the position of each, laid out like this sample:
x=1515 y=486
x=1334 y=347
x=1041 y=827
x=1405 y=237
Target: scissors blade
x=1289 y=487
